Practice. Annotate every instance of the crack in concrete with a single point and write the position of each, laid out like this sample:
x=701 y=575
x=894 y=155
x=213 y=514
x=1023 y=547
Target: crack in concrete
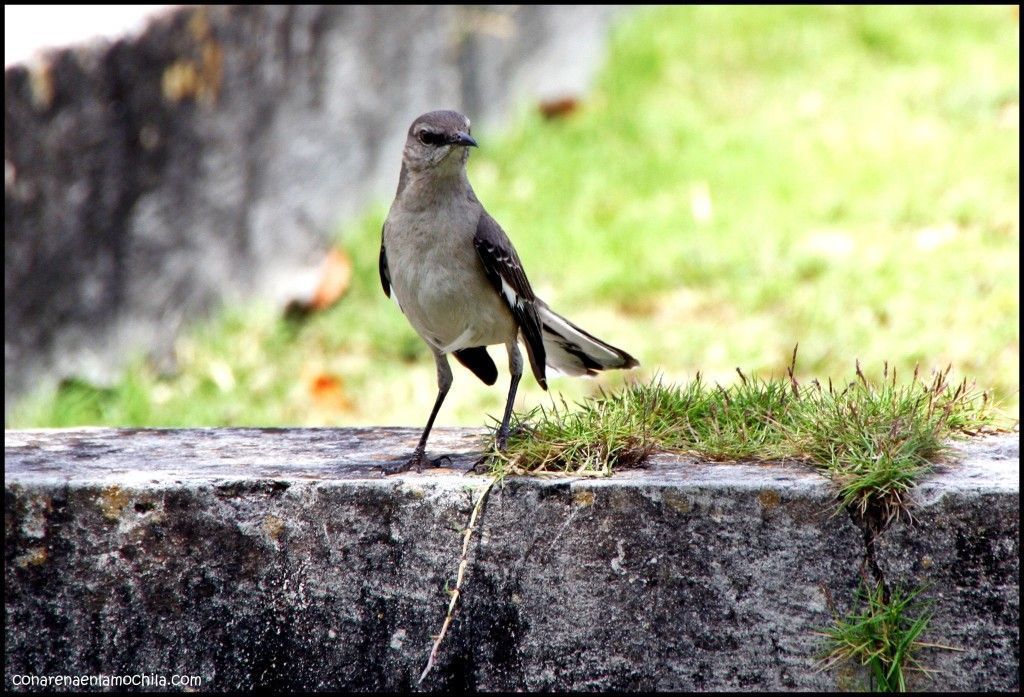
x=871 y=522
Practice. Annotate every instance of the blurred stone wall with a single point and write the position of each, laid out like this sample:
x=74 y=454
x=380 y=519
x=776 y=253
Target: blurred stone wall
x=210 y=158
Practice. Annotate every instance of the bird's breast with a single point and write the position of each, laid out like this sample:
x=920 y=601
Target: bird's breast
x=440 y=284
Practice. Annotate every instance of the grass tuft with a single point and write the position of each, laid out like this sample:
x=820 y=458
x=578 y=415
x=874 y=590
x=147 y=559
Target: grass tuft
x=873 y=440
x=877 y=441
x=882 y=634
x=593 y=439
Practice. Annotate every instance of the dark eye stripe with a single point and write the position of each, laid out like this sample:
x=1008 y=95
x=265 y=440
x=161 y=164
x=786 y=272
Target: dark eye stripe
x=431 y=138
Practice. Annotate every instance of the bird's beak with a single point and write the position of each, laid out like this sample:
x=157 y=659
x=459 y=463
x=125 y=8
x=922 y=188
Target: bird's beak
x=463 y=139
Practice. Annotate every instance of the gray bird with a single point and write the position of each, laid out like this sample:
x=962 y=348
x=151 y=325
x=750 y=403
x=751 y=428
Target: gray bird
x=457 y=278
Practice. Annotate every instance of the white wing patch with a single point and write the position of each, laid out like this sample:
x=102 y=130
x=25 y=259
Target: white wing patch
x=511 y=297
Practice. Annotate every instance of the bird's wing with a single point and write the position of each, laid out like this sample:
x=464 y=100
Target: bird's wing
x=479 y=361
x=505 y=272
x=382 y=266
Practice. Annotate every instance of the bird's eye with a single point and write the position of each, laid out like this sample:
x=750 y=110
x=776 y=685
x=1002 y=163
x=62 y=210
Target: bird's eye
x=431 y=138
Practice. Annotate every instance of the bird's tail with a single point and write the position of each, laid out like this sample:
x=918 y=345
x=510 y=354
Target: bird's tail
x=572 y=351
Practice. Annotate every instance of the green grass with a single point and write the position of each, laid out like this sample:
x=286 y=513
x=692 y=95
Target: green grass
x=882 y=633
x=739 y=180
x=873 y=440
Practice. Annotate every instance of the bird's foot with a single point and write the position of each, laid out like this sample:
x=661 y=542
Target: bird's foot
x=504 y=431
x=501 y=440
x=481 y=466
x=417 y=462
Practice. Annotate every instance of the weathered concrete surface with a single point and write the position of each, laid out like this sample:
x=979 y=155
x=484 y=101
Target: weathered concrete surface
x=214 y=156
x=964 y=545
x=281 y=558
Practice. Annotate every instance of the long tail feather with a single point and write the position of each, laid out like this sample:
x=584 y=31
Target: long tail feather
x=573 y=351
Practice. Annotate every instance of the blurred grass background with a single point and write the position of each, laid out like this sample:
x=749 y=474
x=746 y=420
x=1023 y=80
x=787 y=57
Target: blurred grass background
x=740 y=180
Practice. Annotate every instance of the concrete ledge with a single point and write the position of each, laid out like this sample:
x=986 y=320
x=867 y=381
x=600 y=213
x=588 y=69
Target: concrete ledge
x=282 y=558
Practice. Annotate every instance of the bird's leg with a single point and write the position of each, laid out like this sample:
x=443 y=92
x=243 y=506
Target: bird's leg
x=419 y=458
x=515 y=367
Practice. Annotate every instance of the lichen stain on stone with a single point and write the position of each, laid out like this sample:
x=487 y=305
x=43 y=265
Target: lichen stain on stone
x=200 y=79
x=112 y=501
x=180 y=80
x=619 y=500
x=272 y=526
x=768 y=499
x=679 y=503
x=851 y=678
x=34 y=519
x=199 y=24
x=34 y=556
x=41 y=84
x=416 y=493
x=583 y=498
x=398 y=639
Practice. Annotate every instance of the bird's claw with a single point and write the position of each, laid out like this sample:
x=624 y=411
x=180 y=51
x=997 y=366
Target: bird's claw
x=417 y=462
x=481 y=466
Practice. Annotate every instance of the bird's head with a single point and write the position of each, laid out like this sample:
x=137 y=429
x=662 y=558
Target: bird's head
x=438 y=139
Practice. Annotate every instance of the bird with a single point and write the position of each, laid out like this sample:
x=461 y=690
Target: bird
x=457 y=278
